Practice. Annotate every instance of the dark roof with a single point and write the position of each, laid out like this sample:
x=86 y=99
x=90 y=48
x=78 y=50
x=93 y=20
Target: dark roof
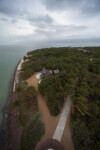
x=51 y=143
x=45 y=72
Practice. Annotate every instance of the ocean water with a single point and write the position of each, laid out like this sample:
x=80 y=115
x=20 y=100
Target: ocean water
x=9 y=57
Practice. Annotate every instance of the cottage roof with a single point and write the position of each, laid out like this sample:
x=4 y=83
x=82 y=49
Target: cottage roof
x=44 y=71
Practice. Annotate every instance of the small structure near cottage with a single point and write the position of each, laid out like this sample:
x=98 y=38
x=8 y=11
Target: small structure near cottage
x=38 y=76
x=56 y=71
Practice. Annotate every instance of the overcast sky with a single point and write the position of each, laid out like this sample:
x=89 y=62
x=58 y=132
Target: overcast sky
x=35 y=21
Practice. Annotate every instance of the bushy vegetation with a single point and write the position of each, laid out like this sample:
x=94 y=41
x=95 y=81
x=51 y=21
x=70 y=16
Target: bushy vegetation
x=26 y=103
x=32 y=134
x=55 y=88
x=50 y=58
x=27 y=95
x=72 y=65
x=28 y=116
x=85 y=129
x=79 y=77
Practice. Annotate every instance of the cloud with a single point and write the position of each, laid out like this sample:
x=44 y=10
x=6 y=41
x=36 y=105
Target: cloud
x=4 y=19
x=59 y=4
x=60 y=30
x=48 y=20
x=13 y=20
x=88 y=6
x=40 y=20
x=6 y=7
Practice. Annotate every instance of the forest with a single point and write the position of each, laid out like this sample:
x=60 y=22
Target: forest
x=79 y=76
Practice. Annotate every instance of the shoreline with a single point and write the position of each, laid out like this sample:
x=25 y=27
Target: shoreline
x=5 y=127
x=11 y=133
x=16 y=76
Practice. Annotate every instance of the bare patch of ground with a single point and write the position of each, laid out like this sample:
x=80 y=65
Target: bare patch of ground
x=49 y=121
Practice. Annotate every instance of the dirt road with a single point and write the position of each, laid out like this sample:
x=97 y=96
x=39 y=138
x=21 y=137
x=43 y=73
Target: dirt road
x=49 y=121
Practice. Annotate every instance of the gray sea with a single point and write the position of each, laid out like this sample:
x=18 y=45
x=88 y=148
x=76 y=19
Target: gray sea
x=9 y=58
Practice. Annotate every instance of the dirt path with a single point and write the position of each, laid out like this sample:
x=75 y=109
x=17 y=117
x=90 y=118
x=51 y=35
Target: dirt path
x=49 y=121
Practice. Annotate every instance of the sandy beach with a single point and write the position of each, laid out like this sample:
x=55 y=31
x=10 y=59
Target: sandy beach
x=16 y=79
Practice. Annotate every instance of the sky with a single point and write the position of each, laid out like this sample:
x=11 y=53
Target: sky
x=45 y=21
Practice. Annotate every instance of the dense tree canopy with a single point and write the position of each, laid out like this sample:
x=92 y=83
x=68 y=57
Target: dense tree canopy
x=79 y=77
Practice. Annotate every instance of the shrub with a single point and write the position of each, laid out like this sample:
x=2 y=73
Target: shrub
x=31 y=135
